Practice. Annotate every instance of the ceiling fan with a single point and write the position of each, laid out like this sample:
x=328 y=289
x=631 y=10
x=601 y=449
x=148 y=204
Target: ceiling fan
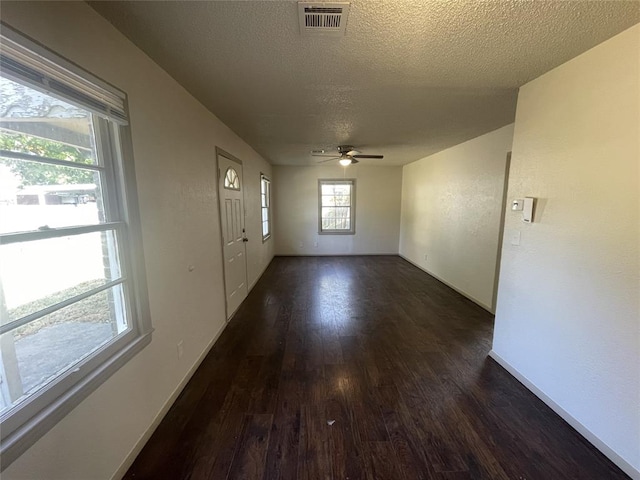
x=346 y=155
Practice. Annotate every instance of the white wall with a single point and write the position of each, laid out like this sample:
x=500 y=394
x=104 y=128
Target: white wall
x=295 y=200
x=568 y=322
x=174 y=140
x=451 y=212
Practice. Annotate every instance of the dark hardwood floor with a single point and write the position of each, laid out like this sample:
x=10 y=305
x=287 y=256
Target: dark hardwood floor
x=360 y=368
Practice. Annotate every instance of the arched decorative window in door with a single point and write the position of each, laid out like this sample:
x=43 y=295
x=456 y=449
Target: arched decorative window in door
x=231 y=179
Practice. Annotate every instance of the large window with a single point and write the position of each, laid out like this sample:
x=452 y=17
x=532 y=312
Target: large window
x=336 y=206
x=265 y=199
x=73 y=302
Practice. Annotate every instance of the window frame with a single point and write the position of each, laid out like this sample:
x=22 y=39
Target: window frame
x=267 y=205
x=27 y=421
x=352 y=207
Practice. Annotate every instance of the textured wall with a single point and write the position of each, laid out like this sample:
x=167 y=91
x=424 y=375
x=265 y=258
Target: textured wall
x=568 y=319
x=174 y=140
x=295 y=194
x=451 y=209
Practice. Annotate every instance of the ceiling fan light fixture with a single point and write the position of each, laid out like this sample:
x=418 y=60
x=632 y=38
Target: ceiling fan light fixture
x=345 y=155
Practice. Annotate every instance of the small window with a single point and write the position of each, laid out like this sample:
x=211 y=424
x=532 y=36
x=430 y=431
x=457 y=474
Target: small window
x=74 y=305
x=265 y=198
x=231 y=180
x=336 y=206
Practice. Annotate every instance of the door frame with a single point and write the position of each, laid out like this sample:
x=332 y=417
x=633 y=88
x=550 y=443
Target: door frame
x=224 y=153
x=503 y=214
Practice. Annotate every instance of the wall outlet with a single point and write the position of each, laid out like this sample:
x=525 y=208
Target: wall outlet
x=425 y=256
x=180 y=348
x=315 y=244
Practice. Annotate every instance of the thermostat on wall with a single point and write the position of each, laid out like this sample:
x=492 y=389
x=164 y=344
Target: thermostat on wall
x=527 y=210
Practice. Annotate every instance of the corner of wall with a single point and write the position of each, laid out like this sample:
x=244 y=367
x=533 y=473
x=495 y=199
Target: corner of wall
x=567 y=315
x=625 y=466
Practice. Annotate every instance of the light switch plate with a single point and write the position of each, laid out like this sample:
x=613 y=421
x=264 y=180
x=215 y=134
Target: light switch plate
x=515 y=237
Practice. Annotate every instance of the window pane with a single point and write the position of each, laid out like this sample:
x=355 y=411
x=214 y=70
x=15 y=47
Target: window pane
x=328 y=223
x=56 y=342
x=39 y=124
x=341 y=212
x=36 y=195
x=328 y=212
x=328 y=200
x=41 y=273
x=335 y=205
x=336 y=189
x=47 y=148
x=337 y=200
x=264 y=199
x=231 y=179
x=336 y=212
x=343 y=224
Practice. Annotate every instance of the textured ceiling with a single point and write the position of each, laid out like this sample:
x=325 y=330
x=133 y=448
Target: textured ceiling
x=408 y=79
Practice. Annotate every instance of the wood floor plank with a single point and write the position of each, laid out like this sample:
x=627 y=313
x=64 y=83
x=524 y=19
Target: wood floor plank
x=360 y=368
x=314 y=456
x=381 y=462
x=411 y=459
x=345 y=444
x=215 y=458
x=284 y=442
x=284 y=445
x=249 y=459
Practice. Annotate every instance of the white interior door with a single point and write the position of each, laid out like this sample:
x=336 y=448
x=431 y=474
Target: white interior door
x=230 y=186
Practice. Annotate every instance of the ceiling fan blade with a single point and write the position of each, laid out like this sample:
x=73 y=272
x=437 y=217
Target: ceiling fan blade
x=368 y=156
x=351 y=153
x=354 y=161
x=327 y=160
x=323 y=154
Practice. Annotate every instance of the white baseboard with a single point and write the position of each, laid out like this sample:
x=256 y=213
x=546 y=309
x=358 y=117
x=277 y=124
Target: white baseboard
x=253 y=284
x=452 y=287
x=625 y=466
x=135 y=451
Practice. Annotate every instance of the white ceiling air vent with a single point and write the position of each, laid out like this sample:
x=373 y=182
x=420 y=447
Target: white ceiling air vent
x=323 y=18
